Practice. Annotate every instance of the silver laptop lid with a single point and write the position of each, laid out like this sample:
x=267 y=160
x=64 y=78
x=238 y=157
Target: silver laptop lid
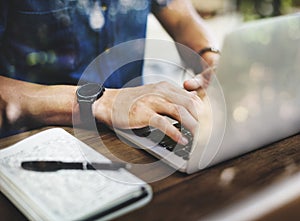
x=259 y=72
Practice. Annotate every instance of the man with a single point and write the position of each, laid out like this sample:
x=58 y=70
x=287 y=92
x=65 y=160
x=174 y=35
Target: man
x=46 y=45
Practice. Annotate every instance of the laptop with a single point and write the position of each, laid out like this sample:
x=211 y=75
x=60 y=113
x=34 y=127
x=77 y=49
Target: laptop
x=252 y=101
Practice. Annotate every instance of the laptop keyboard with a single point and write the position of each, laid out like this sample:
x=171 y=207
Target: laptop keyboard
x=166 y=142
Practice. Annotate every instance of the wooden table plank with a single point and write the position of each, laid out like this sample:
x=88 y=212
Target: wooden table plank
x=205 y=193
x=189 y=197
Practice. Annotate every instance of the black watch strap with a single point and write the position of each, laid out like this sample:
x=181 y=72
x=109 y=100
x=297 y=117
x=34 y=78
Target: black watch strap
x=86 y=95
x=209 y=49
x=86 y=114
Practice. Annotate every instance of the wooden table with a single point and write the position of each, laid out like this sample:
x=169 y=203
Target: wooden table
x=196 y=196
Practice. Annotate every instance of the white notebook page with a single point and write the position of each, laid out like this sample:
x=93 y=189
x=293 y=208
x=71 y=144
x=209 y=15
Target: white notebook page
x=64 y=194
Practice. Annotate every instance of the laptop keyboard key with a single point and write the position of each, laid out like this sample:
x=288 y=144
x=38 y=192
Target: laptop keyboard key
x=166 y=142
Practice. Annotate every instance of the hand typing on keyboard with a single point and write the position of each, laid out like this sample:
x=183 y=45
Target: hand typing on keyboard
x=166 y=142
x=149 y=105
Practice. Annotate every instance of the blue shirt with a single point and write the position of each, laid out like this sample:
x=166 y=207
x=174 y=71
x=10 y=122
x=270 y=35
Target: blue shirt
x=53 y=41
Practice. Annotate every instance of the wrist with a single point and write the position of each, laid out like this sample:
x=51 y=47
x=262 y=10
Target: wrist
x=210 y=55
x=87 y=94
x=103 y=107
x=209 y=50
x=211 y=59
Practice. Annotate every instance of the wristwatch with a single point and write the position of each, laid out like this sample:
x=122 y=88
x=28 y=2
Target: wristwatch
x=209 y=49
x=87 y=94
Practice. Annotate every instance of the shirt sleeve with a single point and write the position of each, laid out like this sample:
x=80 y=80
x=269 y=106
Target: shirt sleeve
x=157 y=4
x=3 y=18
x=162 y=3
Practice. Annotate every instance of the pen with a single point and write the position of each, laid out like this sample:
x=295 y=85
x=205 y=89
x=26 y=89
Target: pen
x=52 y=166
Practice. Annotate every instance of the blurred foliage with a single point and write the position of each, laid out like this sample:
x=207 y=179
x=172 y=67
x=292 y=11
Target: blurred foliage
x=255 y=9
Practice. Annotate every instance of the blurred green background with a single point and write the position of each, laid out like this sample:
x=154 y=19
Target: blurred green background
x=254 y=9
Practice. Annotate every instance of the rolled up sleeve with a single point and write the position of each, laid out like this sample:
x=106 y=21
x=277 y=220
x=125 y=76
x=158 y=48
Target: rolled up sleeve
x=162 y=2
x=3 y=18
x=157 y=4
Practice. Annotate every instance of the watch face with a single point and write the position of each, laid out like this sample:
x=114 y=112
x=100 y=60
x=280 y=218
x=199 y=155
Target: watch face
x=90 y=91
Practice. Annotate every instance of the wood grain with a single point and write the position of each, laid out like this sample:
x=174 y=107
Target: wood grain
x=188 y=197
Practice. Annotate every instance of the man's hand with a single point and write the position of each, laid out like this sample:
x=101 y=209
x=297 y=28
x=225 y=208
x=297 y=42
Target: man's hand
x=200 y=82
x=147 y=106
x=185 y=26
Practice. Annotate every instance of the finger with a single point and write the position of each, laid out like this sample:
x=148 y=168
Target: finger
x=177 y=105
x=187 y=119
x=194 y=84
x=177 y=95
x=179 y=113
x=199 y=81
x=163 y=124
x=191 y=103
x=166 y=89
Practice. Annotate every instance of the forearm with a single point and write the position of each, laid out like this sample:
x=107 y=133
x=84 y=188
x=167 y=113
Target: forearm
x=27 y=104
x=185 y=26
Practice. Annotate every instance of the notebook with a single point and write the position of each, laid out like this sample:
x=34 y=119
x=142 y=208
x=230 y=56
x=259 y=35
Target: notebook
x=253 y=100
x=68 y=194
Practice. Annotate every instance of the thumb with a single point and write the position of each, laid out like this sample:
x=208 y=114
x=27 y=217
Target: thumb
x=194 y=83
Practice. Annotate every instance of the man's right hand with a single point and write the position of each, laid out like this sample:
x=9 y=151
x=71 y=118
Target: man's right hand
x=148 y=105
